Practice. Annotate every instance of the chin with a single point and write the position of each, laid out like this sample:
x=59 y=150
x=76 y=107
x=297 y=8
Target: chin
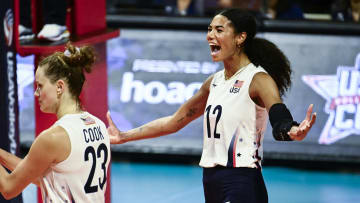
x=45 y=110
x=216 y=59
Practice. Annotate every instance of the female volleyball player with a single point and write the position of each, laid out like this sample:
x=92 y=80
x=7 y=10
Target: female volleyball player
x=68 y=161
x=236 y=103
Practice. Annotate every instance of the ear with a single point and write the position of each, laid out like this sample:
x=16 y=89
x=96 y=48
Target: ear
x=60 y=86
x=240 y=38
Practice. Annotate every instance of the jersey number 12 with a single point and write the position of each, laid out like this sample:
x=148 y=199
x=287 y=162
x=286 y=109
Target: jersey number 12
x=217 y=110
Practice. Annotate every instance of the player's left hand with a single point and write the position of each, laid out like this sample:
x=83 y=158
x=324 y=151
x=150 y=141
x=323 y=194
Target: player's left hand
x=298 y=133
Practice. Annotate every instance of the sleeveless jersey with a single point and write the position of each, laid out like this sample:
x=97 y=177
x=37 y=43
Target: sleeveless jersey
x=234 y=125
x=82 y=176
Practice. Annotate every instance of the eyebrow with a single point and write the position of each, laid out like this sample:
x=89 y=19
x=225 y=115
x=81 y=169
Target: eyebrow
x=217 y=26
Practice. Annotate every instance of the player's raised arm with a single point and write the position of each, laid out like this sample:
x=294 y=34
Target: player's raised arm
x=190 y=110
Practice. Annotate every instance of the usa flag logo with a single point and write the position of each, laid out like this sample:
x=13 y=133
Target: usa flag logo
x=88 y=120
x=238 y=83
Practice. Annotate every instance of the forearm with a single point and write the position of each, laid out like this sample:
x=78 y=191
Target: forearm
x=155 y=128
x=6 y=187
x=9 y=160
x=189 y=111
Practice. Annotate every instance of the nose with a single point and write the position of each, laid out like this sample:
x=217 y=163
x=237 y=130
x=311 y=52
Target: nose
x=209 y=35
x=36 y=93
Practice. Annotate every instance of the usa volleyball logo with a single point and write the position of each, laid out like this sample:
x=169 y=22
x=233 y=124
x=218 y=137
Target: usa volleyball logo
x=8 y=26
x=342 y=94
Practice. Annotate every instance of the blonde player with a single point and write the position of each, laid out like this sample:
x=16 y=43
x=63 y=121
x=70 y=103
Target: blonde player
x=69 y=161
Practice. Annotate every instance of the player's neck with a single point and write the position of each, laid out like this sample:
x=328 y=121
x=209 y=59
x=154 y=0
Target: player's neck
x=234 y=64
x=68 y=107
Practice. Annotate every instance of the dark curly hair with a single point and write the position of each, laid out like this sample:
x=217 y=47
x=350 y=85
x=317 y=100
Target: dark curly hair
x=261 y=52
x=70 y=66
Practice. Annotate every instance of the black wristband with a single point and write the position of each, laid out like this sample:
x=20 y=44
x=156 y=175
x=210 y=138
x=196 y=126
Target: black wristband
x=294 y=123
x=281 y=129
x=281 y=120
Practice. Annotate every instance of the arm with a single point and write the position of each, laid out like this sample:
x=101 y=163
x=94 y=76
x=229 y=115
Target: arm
x=51 y=146
x=264 y=90
x=10 y=161
x=190 y=110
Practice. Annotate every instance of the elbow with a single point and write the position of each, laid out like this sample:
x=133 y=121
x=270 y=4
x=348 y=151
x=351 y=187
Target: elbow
x=170 y=127
x=7 y=191
x=8 y=195
x=176 y=129
x=171 y=130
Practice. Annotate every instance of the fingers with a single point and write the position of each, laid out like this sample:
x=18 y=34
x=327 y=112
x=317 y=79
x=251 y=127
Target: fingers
x=300 y=133
x=113 y=135
x=313 y=119
x=304 y=126
x=113 y=132
x=311 y=122
x=309 y=111
x=109 y=119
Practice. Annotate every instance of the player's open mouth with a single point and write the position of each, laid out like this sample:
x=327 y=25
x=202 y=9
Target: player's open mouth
x=214 y=49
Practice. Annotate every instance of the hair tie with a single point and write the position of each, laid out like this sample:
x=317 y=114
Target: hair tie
x=67 y=52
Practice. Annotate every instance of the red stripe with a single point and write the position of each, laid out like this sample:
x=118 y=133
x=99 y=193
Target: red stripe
x=234 y=151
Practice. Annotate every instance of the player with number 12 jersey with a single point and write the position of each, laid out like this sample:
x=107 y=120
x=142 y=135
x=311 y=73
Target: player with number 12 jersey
x=234 y=125
x=82 y=176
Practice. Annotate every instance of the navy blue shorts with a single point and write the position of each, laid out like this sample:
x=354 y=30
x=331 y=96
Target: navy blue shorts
x=234 y=185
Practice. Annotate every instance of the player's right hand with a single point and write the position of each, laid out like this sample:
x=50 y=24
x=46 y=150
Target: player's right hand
x=113 y=132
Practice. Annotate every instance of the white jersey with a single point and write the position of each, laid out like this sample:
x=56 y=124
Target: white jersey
x=234 y=125
x=82 y=176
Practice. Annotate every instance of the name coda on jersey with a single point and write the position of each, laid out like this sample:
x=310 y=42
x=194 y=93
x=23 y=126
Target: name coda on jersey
x=93 y=134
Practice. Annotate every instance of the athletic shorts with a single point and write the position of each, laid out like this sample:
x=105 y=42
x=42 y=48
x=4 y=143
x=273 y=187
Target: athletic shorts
x=234 y=185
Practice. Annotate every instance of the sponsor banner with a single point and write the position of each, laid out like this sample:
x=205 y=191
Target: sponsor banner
x=9 y=131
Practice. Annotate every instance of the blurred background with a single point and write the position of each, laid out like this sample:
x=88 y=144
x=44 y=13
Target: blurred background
x=161 y=58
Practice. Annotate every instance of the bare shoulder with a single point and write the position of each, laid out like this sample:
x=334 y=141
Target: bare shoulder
x=262 y=78
x=263 y=90
x=53 y=134
x=262 y=81
x=54 y=140
x=206 y=84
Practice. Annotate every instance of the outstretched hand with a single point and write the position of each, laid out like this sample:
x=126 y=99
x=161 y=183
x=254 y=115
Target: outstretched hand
x=113 y=131
x=298 y=133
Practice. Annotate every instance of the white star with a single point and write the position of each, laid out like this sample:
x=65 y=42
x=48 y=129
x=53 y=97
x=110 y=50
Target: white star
x=341 y=92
